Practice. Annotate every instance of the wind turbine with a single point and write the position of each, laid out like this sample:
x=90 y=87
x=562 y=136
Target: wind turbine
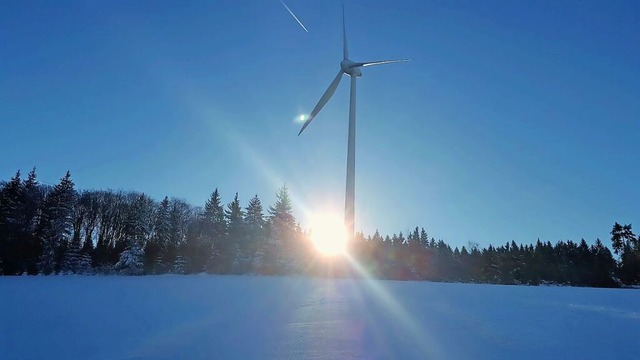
x=352 y=69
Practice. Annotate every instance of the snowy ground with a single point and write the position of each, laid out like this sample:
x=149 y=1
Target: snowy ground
x=229 y=317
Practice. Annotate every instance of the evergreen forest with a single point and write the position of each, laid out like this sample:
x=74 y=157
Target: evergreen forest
x=58 y=229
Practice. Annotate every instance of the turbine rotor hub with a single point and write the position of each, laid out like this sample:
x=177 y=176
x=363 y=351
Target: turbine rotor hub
x=349 y=68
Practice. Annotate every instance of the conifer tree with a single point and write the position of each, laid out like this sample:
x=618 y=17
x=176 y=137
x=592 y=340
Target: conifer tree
x=32 y=203
x=156 y=248
x=10 y=196
x=179 y=265
x=256 y=240
x=131 y=260
x=56 y=224
x=603 y=265
x=623 y=238
x=282 y=233
x=424 y=238
x=215 y=231
x=236 y=257
x=627 y=245
x=197 y=248
x=72 y=257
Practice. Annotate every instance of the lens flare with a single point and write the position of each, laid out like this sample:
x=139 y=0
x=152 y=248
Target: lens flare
x=328 y=234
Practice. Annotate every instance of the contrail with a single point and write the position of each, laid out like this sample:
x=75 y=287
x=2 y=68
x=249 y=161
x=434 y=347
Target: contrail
x=294 y=16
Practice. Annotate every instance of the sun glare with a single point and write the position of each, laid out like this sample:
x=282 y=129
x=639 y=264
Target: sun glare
x=301 y=118
x=328 y=234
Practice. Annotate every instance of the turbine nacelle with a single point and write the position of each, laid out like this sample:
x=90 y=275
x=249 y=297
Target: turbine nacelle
x=350 y=68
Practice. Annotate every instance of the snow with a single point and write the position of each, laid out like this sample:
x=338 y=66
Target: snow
x=244 y=317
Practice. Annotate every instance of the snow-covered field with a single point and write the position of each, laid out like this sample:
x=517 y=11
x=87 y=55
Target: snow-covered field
x=230 y=317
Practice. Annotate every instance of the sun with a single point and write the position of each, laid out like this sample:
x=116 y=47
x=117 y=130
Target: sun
x=328 y=234
x=301 y=118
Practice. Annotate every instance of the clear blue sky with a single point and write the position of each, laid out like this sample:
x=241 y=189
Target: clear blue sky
x=516 y=120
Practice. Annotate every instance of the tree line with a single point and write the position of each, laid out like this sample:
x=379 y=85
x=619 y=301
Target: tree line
x=60 y=230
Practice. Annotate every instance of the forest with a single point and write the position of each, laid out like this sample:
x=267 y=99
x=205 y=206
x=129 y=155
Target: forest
x=58 y=229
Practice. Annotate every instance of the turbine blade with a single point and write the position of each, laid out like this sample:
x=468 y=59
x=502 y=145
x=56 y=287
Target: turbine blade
x=294 y=16
x=345 y=48
x=323 y=100
x=381 y=62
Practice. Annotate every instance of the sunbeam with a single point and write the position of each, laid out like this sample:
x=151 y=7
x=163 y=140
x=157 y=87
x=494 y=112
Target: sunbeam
x=423 y=338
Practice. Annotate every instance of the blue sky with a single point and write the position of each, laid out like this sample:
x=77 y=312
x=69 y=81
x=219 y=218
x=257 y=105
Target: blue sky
x=516 y=120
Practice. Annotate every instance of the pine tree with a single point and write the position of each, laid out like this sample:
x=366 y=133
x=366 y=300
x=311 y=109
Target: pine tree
x=623 y=238
x=56 y=224
x=282 y=234
x=10 y=201
x=490 y=268
x=131 y=259
x=236 y=257
x=72 y=258
x=196 y=248
x=10 y=212
x=137 y=230
x=255 y=227
x=215 y=231
x=627 y=245
x=424 y=238
x=156 y=247
x=85 y=263
x=603 y=265
x=179 y=265
x=401 y=239
x=32 y=201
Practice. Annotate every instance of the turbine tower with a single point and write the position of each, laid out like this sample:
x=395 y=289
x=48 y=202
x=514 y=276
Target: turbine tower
x=352 y=69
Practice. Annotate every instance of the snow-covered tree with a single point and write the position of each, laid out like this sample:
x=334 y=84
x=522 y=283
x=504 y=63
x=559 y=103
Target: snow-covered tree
x=72 y=258
x=110 y=230
x=156 y=247
x=179 y=265
x=85 y=263
x=131 y=260
x=136 y=230
x=86 y=220
x=56 y=224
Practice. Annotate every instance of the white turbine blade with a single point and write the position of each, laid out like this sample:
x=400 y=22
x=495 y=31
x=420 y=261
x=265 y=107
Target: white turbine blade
x=294 y=16
x=323 y=100
x=381 y=62
x=345 y=48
